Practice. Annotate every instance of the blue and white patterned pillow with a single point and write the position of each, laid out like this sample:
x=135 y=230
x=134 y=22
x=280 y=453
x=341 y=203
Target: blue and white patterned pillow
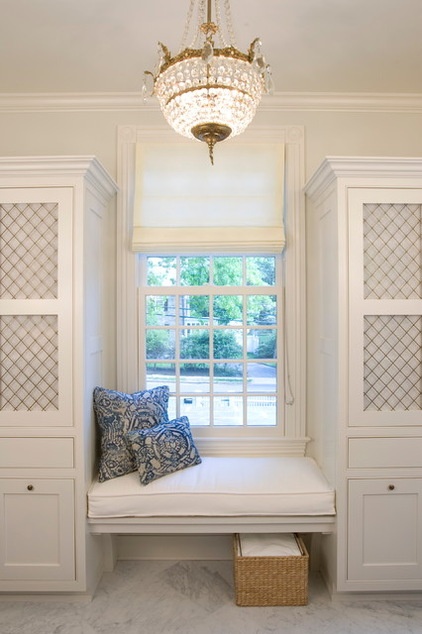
x=163 y=449
x=118 y=413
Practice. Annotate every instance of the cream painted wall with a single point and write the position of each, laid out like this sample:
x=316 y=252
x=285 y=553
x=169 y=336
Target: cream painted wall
x=326 y=133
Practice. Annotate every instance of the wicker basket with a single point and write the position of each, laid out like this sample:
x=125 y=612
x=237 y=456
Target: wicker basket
x=265 y=581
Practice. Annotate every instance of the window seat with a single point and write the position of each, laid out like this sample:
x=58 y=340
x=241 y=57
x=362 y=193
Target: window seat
x=221 y=495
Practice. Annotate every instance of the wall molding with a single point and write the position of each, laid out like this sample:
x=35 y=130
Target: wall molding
x=130 y=101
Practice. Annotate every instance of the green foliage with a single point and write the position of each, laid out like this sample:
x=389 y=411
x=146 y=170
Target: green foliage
x=226 y=346
x=194 y=271
x=157 y=344
x=228 y=308
x=267 y=348
x=199 y=306
x=260 y=271
x=228 y=271
x=196 y=345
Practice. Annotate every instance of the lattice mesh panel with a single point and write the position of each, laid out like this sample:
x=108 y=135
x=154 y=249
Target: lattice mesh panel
x=392 y=251
x=28 y=251
x=28 y=362
x=392 y=362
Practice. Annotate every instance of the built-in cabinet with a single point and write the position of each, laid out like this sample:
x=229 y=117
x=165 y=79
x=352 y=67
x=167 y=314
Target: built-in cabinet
x=53 y=322
x=364 y=255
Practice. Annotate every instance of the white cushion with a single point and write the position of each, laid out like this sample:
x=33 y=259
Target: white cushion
x=219 y=486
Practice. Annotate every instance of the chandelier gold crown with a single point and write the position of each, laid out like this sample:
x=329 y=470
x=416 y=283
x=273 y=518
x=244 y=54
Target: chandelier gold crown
x=209 y=90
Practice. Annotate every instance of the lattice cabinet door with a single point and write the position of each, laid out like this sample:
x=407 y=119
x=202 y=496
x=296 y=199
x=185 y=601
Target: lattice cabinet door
x=35 y=306
x=385 y=306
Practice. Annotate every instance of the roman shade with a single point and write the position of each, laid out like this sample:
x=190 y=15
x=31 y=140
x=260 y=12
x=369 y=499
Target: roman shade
x=182 y=204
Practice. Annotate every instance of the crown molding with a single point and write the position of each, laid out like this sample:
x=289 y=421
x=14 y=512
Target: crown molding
x=288 y=101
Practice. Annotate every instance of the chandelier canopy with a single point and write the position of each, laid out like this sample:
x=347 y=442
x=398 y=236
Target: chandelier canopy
x=210 y=90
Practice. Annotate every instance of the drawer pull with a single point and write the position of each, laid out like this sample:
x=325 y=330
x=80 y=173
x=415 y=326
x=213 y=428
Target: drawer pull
x=30 y=487
x=391 y=487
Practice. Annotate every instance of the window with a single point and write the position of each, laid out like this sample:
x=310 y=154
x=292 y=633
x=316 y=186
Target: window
x=210 y=330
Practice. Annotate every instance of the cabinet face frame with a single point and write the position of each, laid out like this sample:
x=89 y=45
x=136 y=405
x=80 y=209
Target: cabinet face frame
x=360 y=308
x=59 y=307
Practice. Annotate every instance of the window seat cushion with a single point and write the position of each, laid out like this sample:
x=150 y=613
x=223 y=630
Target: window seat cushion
x=219 y=487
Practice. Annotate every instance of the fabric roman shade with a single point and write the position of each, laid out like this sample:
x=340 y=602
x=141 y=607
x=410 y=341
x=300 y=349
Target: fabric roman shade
x=183 y=204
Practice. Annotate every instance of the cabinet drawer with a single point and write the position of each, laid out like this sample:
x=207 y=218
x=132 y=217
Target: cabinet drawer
x=373 y=453
x=21 y=453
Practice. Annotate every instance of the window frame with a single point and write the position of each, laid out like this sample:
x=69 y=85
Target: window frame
x=294 y=440
x=178 y=290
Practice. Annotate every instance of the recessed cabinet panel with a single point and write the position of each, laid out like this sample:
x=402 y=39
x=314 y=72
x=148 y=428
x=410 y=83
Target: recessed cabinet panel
x=36 y=453
x=380 y=453
x=384 y=536
x=37 y=530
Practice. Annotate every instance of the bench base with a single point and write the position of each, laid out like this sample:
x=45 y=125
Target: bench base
x=212 y=525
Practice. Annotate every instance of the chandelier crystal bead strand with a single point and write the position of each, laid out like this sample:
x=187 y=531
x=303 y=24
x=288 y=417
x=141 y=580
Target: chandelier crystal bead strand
x=210 y=90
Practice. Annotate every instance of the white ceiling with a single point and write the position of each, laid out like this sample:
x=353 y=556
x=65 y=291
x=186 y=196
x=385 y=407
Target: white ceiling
x=90 y=46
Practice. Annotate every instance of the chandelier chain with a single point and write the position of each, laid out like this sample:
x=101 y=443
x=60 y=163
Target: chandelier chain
x=229 y=23
x=218 y=21
x=188 y=27
x=201 y=20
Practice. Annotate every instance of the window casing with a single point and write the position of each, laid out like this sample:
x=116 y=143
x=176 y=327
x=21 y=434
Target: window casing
x=210 y=328
x=290 y=438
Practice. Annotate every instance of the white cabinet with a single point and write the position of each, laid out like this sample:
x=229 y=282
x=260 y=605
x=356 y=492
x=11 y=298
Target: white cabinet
x=364 y=252
x=37 y=531
x=384 y=525
x=54 y=323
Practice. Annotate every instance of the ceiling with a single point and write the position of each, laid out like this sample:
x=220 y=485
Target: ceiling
x=92 y=46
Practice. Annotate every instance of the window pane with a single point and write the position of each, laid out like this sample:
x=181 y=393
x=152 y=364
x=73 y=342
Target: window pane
x=196 y=408
x=261 y=410
x=228 y=410
x=172 y=413
x=228 y=271
x=264 y=343
x=228 y=309
x=194 y=310
x=194 y=271
x=194 y=377
x=228 y=344
x=228 y=377
x=261 y=310
x=161 y=374
x=194 y=344
x=160 y=310
x=160 y=344
x=262 y=377
x=161 y=271
x=260 y=271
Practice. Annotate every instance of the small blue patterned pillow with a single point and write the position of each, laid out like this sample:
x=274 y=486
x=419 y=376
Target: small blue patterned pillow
x=163 y=449
x=118 y=413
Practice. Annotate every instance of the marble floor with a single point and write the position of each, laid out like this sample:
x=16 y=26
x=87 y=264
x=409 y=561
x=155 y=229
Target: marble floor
x=194 y=597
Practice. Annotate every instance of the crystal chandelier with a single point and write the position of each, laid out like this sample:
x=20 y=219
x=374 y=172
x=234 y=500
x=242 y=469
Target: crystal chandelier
x=210 y=90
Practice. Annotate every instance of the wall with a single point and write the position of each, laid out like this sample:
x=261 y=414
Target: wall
x=326 y=133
